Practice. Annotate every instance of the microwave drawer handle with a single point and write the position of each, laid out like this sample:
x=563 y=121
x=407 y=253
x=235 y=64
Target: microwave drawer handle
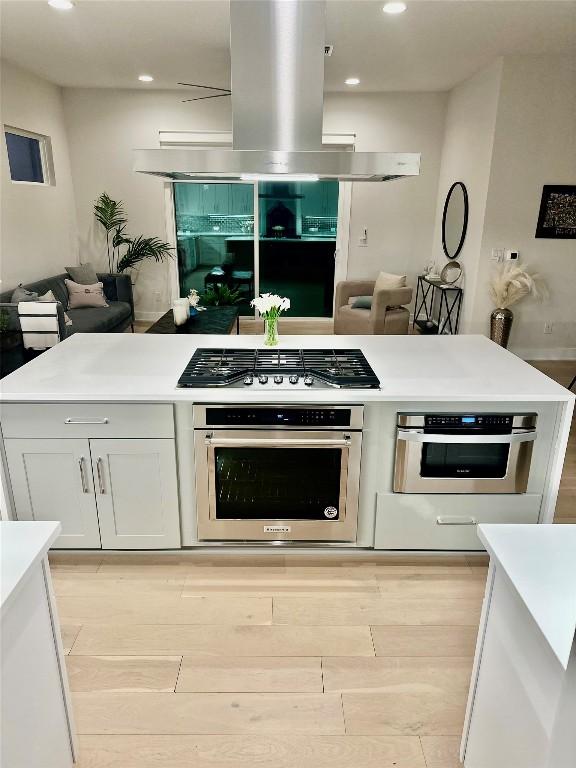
x=276 y=442
x=86 y=421
x=446 y=520
x=418 y=436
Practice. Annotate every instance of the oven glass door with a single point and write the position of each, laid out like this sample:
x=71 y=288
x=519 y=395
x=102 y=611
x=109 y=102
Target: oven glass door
x=472 y=460
x=279 y=477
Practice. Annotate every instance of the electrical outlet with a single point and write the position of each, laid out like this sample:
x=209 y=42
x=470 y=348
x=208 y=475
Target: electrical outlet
x=548 y=327
x=497 y=254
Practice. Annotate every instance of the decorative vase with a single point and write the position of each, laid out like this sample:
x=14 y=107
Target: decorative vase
x=271 y=331
x=500 y=325
x=193 y=312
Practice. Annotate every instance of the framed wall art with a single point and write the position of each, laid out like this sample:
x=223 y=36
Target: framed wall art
x=557 y=216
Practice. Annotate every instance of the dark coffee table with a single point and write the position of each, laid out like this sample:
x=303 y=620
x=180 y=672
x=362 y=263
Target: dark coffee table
x=211 y=320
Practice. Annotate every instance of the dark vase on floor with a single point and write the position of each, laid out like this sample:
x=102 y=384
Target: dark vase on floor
x=501 y=325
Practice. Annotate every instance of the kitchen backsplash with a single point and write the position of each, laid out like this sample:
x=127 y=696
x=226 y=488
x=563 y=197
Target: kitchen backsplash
x=243 y=224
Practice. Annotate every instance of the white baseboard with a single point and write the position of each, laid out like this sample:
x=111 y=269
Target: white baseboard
x=141 y=315
x=550 y=353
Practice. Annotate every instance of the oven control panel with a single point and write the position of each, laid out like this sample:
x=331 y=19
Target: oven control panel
x=277 y=417
x=499 y=420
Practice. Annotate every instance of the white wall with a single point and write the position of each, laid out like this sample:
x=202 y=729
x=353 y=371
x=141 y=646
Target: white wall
x=509 y=131
x=467 y=157
x=399 y=215
x=534 y=144
x=104 y=126
x=39 y=236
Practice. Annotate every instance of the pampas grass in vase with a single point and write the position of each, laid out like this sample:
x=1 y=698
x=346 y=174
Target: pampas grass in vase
x=509 y=284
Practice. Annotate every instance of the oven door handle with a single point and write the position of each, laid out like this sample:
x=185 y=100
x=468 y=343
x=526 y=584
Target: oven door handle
x=419 y=436
x=276 y=442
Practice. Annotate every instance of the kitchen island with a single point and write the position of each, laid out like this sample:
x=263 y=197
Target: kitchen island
x=37 y=726
x=522 y=699
x=98 y=402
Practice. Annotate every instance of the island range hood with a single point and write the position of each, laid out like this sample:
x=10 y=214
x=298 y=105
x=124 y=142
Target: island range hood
x=277 y=61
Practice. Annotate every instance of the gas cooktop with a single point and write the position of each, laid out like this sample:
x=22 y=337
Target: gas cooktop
x=279 y=369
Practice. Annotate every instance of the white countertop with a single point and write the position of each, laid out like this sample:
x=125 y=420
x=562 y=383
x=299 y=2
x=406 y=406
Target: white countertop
x=540 y=561
x=22 y=544
x=146 y=367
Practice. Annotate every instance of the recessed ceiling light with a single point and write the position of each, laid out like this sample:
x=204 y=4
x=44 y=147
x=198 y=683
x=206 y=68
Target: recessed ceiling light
x=61 y=5
x=393 y=8
x=145 y=78
x=352 y=81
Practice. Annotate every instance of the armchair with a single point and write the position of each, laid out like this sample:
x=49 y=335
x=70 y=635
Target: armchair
x=387 y=315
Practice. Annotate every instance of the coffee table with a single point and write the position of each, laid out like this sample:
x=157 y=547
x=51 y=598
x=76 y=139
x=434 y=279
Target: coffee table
x=211 y=320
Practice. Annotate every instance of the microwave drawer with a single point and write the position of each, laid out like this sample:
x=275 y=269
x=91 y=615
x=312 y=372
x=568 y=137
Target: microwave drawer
x=87 y=420
x=446 y=522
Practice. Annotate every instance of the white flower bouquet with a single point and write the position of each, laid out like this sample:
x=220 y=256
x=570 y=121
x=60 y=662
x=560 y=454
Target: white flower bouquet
x=194 y=298
x=270 y=306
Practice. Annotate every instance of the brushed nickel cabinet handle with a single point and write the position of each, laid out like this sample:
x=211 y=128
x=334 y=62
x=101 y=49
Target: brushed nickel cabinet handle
x=82 y=468
x=100 y=472
x=69 y=420
x=447 y=520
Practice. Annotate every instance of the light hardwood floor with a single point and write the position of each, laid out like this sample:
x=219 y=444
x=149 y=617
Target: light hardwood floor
x=276 y=662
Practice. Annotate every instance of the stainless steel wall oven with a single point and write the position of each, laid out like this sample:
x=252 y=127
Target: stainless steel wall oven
x=277 y=473
x=463 y=453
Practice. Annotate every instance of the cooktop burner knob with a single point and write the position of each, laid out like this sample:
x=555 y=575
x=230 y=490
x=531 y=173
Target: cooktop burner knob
x=263 y=379
x=308 y=380
x=293 y=379
x=278 y=379
x=248 y=379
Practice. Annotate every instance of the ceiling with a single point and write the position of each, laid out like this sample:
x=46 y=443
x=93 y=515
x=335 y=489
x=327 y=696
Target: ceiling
x=431 y=47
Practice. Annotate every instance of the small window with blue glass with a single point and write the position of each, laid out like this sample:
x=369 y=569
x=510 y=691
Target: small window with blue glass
x=27 y=156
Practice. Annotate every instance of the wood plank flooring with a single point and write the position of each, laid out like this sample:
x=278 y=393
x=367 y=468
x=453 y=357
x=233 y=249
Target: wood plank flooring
x=180 y=660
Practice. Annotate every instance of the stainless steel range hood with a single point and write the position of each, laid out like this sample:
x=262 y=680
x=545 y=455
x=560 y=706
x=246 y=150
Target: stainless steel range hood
x=277 y=56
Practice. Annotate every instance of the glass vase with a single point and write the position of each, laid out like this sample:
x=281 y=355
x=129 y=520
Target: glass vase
x=271 y=331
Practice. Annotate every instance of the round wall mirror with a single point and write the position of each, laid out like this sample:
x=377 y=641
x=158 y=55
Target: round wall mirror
x=455 y=219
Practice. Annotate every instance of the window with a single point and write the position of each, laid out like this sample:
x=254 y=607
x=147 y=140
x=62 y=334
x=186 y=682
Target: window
x=29 y=156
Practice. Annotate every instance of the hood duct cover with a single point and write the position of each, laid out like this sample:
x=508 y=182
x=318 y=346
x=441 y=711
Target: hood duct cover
x=277 y=57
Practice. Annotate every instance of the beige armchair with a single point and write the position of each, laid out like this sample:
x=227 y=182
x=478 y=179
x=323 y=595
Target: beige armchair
x=387 y=315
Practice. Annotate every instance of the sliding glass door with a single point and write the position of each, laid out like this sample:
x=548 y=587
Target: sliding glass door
x=285 y=245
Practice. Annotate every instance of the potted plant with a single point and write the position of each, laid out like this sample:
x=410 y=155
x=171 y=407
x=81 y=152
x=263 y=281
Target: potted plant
x=124 y=251
x=221 y=296
x=510 y=284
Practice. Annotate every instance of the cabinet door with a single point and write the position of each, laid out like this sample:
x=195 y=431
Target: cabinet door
x=51 y=479
x=136 y=493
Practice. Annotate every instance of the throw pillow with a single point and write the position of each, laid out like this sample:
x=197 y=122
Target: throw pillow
x=49 y=296
x=85 y=274
x=386 y=281
x=362 y=302
x=85 y=295
x=23 y=294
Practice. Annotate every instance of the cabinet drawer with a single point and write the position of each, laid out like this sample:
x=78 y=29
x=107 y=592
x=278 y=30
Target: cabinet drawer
x=446 y=522
x=87 y=420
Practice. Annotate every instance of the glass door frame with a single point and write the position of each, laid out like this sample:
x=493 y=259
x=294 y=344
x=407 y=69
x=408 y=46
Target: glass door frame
x=206 y=140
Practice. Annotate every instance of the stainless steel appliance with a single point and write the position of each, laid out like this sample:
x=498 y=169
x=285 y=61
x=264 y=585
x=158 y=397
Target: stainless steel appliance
x=277 y=60
x=277 y=473
x=463 y=452
x=276 y=369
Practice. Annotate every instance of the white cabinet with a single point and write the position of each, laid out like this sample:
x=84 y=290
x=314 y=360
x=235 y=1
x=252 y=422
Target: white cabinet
x=52 y=480
x=446 y=521
x=114 y=494
x=136 y=493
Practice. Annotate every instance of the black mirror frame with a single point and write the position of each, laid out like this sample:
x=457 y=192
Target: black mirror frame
x=464 y=223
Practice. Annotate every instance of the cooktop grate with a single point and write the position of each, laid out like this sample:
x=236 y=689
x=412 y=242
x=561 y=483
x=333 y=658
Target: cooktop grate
x=212 y=367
